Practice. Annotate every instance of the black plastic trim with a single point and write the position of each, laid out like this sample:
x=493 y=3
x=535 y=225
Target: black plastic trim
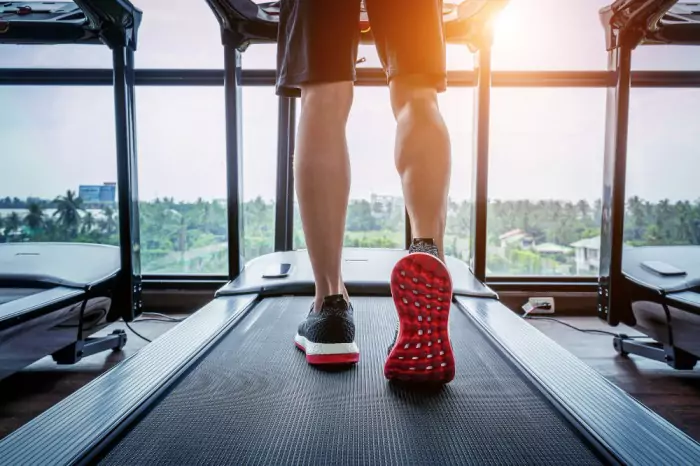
x=365 y=77
x=36 y=305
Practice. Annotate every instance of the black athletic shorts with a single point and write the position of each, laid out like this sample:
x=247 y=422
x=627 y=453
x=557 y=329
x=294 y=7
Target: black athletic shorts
x=318 y=41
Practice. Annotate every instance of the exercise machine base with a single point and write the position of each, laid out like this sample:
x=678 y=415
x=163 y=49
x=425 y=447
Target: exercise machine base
x=74 y=352
x=671 y=355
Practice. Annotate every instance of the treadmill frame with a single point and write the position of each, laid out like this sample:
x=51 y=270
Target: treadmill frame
x=78 y=429
x=96 y=28
x=615 y=291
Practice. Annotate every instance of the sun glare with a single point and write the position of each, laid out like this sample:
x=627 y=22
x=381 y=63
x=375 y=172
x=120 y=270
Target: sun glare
x=505 y=25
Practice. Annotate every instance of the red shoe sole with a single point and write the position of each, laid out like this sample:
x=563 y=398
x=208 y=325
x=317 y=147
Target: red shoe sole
x=422 y=290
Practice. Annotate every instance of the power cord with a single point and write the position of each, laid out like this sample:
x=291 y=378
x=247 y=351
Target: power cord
x=157 y=317
x=136 y=333
x=529 y=308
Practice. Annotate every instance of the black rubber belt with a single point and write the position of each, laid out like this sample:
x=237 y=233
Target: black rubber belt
x=254 y=400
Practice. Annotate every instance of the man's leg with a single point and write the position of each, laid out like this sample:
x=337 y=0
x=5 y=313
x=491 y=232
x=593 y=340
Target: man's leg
x=411 y=46
x=317 y=49
x=422 y=157
x=322 y=176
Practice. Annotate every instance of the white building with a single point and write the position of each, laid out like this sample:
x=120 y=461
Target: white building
x=587 y=256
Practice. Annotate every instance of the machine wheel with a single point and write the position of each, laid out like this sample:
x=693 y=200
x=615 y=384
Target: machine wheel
x=617 y=344
x=122 y=339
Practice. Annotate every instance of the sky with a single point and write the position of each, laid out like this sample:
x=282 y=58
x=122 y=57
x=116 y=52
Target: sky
x=545 y=143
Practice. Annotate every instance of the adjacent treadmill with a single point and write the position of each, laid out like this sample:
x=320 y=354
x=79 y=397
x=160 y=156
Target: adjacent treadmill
x=227 y=385
x=654 y=289
x=54 y=296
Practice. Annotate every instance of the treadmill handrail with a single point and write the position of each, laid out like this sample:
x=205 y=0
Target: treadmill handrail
x=42 y=300
x=41 y=279
x=244 y=22
x=635 y=22
x=113 y=23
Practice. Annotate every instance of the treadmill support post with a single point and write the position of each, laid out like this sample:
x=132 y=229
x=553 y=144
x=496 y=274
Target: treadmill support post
x=610 y=282
x=234 y=159
x=128 y=294
x=480 y=171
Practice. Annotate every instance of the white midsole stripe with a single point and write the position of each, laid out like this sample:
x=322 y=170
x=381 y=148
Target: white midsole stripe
x=312 y=348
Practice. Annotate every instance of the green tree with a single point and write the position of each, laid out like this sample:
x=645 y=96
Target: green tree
x=12 y=225
x=34 y=218
x=88 y=223
x=359 y=217
x=68 y=209
x=108 y=224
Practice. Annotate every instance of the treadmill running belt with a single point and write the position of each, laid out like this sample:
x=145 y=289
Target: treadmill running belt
x=254 y=400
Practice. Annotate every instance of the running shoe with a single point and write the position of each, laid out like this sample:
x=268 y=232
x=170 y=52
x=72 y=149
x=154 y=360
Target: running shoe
x=421 y=287
x=328 y=336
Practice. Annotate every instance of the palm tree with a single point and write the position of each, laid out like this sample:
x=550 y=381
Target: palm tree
x=12 y=225
x=88 y=223
x=35 y=218
x=68 y=209
x=109 y=224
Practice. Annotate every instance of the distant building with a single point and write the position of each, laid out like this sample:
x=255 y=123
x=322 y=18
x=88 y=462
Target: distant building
x=517 y=238
x=587 y=256
x=551 y=249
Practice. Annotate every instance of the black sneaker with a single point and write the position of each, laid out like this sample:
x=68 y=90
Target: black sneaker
x=328 y=336
x=422 y=290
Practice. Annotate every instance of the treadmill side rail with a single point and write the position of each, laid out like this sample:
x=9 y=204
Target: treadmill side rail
x=73 y=428
x=606 y=411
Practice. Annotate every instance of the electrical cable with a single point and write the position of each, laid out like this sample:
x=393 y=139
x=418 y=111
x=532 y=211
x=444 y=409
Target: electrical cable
x=163 y=316
x=136 y=333
x=529 y=308
x=584 y=330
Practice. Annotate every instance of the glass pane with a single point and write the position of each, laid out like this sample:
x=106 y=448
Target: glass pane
x=666 y=57
x=550 y=35
x=260 y=110
x=178 y=34
x=182 y=180
x=376 y=213
x=663 y=202
x=457 y=106
x=545 y=180
x=54 y=56
x=51 y=147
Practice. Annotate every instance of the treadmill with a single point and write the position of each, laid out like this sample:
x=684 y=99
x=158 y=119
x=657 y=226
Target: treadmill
x=227 y=386
x=53 y=296
x=655 y=289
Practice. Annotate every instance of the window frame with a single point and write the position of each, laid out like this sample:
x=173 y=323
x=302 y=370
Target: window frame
x=366 y=77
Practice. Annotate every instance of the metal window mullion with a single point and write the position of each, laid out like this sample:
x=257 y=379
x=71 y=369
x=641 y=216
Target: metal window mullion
x=611 y=283
x=284 y=206
x=480 y=172
x=291 y=147
x=129 y=293
x=234 y=159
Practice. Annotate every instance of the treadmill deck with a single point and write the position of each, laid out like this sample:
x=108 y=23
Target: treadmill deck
x=254 y=400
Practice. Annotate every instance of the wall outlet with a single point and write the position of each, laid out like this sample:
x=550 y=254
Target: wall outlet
x=541 y=305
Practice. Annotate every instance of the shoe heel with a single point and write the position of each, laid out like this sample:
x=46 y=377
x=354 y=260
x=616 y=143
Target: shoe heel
x=421 y=287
